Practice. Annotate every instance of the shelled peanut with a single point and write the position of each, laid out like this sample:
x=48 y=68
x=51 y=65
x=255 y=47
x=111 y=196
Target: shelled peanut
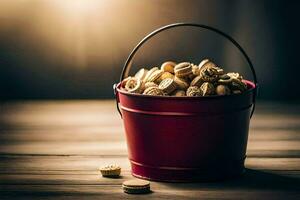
x=185 y=79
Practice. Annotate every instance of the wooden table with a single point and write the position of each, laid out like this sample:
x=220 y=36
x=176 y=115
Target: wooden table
x=52 y=149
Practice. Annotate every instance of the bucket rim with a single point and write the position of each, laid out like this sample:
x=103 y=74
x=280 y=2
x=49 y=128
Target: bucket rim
x=250 y=84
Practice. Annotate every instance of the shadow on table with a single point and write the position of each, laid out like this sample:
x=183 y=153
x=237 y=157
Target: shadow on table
x=251 y=179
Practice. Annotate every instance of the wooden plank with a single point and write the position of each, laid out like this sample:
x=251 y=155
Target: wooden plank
x=115 y=192
x=273 y=135
x=72 y=121
x=284 y=164
x=116 y=133
x=29 y=130
x=104 y=133
x=249 y=178
x=275 y=121
x=58 y=114
x=71 y=105
x=96 y=179
x=114 y=147
x=274 y=145
x=46 y=121
x=76 y=120
x=55 y=115
x=273 y=153
x=31 y=164
x=66 y=148
x=270 y=107
x=90 y=164
x=253 y=184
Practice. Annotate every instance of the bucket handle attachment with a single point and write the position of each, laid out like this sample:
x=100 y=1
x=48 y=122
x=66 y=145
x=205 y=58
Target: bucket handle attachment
x=128 y=63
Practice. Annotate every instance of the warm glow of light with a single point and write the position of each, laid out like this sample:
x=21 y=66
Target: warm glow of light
x=79 y=7
x=77 y=33
x=74 y=27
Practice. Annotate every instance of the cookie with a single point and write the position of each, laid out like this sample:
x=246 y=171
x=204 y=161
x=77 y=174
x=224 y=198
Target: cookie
x=181 y=83
x=193 y=91
x=183 y=69
x=134 y=85
x=136 y=186
x=168 y=66
x=111 y=171
x=222 y=90
x=153 y=91
x=207 y=89
x=167 y=85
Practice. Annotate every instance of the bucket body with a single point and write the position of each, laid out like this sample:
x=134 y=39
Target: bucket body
x=184 y=139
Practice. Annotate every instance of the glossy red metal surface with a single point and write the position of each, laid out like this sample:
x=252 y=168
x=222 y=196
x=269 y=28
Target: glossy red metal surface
x=182 y=139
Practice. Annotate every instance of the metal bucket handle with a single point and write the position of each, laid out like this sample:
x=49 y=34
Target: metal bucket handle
x=128 y=62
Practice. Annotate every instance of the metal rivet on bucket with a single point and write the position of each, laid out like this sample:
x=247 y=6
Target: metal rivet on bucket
x=187 y=138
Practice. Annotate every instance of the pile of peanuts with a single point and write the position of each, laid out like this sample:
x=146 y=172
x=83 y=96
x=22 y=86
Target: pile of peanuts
x=185 y=79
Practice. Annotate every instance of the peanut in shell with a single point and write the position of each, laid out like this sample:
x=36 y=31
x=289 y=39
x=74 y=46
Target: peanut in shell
x=153 y=91
x=168 y=66
x=134 y=85
x=179 y=93
x=183 y=69
x=165 y=75
x=167 y=85
x=222 y=90
x=141 y=74
x=181 y=83
x=197 y=81
x=153 y=69
x=203 y=62
x=207 y=89
x=193 y=91
x=150 y=84
x=155 y=76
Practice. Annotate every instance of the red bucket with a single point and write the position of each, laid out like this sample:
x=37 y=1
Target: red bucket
x=183 y=139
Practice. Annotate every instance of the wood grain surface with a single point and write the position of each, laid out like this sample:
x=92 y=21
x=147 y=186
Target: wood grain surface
x=52 y=149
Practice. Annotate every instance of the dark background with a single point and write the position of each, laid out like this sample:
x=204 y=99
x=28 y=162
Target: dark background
x=54 y=49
